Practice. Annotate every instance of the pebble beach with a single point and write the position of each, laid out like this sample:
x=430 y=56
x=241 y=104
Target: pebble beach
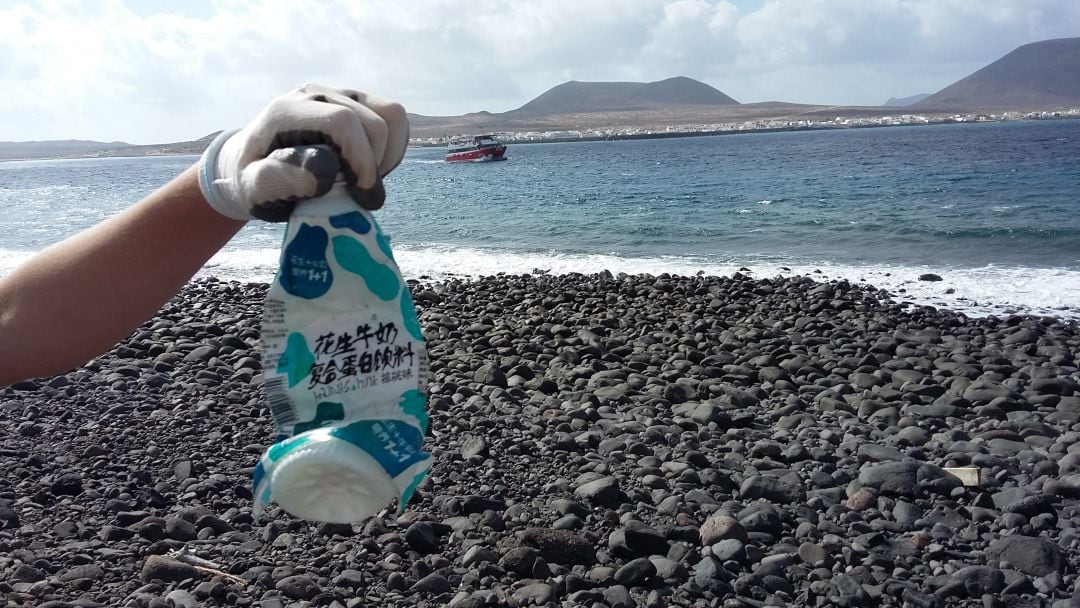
x=599 y=440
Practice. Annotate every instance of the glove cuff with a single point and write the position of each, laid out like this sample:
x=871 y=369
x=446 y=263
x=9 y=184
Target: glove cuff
x=215 y=186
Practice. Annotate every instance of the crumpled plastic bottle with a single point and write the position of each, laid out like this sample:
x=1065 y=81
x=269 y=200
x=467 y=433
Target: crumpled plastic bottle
x=345 y=370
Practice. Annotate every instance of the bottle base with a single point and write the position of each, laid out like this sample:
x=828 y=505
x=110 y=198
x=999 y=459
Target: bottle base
x=331 y=481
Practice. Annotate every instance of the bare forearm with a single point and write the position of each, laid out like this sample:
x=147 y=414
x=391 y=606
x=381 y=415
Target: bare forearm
x=79 y=297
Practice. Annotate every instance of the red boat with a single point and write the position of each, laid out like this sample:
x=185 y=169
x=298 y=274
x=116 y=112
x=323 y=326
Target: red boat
x=475 y=149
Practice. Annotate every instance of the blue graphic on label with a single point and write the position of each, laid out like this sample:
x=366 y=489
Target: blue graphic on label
x=305 y=272
x=354 y=221
x=393 y=444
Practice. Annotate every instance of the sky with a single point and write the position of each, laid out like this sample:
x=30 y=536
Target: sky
x=145 y=71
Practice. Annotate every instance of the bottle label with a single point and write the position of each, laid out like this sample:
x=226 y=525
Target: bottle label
x=342 y=349
x=341 y=341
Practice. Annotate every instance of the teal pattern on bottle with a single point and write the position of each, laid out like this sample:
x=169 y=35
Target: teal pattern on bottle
x=297 y=359
x=408 y=315
x=325 y=412
x=392 y=443
x=414 y=403
x=354 y=257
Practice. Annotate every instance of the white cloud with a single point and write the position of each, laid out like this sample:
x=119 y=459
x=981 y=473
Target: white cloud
x=145 y=71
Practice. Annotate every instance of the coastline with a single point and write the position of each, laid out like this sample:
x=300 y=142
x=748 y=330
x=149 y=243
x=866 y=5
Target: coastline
x=631 y=440
x=706 y=132
x=839 y=123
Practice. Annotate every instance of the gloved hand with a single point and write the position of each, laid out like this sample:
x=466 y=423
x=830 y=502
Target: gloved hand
x=294 y=149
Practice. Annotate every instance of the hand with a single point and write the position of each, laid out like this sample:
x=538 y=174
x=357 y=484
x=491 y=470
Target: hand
x=295 y=148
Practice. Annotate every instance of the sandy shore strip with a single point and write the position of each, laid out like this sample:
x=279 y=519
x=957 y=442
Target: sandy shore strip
x=599 y=440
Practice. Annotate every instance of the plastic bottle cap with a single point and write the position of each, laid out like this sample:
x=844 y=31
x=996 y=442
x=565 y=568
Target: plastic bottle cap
x=331 y=481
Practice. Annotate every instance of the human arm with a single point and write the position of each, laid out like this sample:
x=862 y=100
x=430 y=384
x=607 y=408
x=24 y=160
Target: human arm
x=81 y=296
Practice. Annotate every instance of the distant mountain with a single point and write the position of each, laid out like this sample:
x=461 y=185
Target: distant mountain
x=574 y=96
x=1041 y=75
x=1038 y=76
x=77 y=148
x=900 y=102
x=11 y=150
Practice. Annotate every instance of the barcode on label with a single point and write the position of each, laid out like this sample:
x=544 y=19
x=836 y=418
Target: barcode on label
x=277 y=397
x=424 y=369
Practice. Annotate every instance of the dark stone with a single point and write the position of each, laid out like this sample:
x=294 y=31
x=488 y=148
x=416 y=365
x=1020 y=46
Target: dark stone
x=351 y=579
x=433 y=583
x=918 y=599
x=82 y=571
x=537 y=593
x=638 y=540
x=8 y=518
x=773 y=584
x=729 y=549
x=478 y=554
x=618 y=596
x=298 y=587
x=66 y=529
x=111 y=534
x=25 y=573
x=710 y=575
x=68 y=484
x=761 y=518
x=560 y=546
x=1030 y=506
x=421 y=537
x=1061 y=385
x=201 y=354
x=479 y=504
x=900 y=478
x=981 y=579
x=180 y=529
x=635 y=572
x=814 y=555
x=215 y=523
x=1028 y=554
x=396 y=582
x=781 y=491
x=604 y=491
x=704 y=413
x=490 y=374
x=335 y=529
x=520 y=560
x=166 y=570
x=671 y=571
x=850 y=593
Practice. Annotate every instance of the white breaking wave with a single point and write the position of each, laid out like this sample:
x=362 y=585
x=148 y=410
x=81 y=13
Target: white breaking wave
x=245 y=265
x=988 y=290
x=10 y=259
x=974 y=291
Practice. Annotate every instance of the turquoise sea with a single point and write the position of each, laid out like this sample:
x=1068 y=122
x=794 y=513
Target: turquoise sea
x=992 y=208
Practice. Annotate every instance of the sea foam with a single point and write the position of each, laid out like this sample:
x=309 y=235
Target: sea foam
x=975 y=291
x=980 y=291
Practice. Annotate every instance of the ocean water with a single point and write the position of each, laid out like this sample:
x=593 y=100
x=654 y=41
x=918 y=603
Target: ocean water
x=993 y=208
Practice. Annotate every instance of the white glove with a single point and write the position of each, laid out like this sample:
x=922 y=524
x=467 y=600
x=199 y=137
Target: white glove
x=295 y=148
